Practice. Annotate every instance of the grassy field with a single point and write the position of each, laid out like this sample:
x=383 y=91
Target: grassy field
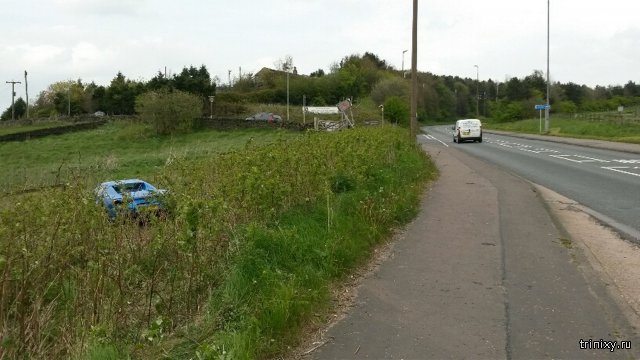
x=260 y=224
x=117 y=150
x=4 y=130
x=562 y=125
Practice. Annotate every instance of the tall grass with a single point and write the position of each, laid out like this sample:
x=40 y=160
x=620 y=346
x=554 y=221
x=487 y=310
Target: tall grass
x=252 y=241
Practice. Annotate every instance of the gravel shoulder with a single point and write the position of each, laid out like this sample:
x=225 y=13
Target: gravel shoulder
x=614 y=260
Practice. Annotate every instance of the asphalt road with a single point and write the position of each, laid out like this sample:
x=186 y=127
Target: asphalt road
x=605 y=181
x=482 y=273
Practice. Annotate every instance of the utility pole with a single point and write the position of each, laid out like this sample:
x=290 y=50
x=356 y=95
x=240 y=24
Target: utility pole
x=414 y=73
x=26 y=91
x=477 y=90
x=548 y=106
x=229 y=79
x=13 y=96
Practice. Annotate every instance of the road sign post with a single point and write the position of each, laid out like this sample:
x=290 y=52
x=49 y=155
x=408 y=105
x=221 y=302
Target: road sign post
x=541 y=108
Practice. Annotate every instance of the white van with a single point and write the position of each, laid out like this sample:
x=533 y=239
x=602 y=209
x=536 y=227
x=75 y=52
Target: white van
x=467 y=129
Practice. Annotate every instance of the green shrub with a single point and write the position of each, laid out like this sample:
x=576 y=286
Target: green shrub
x=169 y=111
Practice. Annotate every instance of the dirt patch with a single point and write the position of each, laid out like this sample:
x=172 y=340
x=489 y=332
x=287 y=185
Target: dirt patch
x=615 y=260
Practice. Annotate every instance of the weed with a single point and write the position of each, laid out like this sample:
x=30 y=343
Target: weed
x=240 y=263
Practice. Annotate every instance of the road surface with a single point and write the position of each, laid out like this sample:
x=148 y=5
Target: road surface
x=605 y=181
x=482 y=273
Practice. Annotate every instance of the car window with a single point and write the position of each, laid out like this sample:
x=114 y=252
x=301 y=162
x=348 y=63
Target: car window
x=129 y=187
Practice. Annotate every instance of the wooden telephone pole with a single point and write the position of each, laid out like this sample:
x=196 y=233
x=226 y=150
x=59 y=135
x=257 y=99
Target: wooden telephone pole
x=13 y=96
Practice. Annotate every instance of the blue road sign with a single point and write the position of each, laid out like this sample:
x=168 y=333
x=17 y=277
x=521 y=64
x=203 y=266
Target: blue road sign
x=542 y=107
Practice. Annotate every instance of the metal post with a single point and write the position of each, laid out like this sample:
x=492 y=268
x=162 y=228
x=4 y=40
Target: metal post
x=304 y=109
x=287 y=94
x=211 y=98
x=477 y=90
x=546 y=110
x=26 y=91
x=403 y=52
x=414 y=73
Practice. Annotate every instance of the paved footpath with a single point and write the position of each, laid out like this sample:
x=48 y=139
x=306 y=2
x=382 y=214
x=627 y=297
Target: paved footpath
x=480 y=274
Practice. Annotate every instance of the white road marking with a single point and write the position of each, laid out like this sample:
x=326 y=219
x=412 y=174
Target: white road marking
x=581 y=159
x=618 y=169
x=431 y=137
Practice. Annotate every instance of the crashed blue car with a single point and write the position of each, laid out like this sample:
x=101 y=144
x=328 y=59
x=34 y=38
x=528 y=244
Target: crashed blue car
x=130 y=197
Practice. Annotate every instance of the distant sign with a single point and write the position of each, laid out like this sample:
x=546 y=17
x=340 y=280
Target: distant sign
x=321 y=109
x=344 y=105
x=542 y=107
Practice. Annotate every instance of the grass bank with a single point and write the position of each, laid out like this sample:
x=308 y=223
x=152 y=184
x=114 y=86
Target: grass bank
x=254 y=241
x=4 y=129
x=569 y=126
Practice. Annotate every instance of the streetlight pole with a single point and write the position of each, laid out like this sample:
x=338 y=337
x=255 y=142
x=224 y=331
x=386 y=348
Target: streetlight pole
x=287 y=94
x=547 y=107
x=403 y=52
x=477 y=90
x=414 y=73
x=26 y=91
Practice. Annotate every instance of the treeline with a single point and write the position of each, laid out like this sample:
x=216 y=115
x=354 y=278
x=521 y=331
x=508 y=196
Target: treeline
x=118 y=98
x=362 y=78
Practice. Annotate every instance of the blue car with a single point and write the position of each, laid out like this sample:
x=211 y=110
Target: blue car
x=130 y=197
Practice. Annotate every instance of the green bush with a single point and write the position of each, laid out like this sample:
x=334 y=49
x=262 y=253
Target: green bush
x=169 y=111
x=396 y=110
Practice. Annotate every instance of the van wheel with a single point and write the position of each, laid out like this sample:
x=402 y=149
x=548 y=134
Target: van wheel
x=480 y=140
x=459 y=140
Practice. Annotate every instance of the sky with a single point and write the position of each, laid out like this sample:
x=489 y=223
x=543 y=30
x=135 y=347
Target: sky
x=591 y=42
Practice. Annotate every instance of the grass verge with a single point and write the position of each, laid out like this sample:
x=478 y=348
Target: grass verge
x=628 y=132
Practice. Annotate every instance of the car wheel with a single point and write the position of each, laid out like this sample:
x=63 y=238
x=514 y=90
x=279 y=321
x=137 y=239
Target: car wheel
x=480 y=140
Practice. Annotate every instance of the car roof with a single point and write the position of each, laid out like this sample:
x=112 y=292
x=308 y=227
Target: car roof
x=125 y=181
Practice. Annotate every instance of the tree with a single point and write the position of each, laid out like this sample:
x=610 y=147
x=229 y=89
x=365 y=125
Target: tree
x=120 y=97
x=394 y=86
x=516 y=90
x=536 y=81
x=20 y=107
x=317 y=73
x=169 y=111
x=573 y=92
x=397 y=110
x=195 y=81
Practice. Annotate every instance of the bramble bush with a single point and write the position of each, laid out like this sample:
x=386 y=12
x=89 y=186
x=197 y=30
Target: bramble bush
x=254 y=238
